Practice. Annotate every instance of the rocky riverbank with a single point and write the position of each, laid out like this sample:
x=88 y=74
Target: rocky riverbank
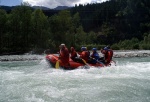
x=130 y=53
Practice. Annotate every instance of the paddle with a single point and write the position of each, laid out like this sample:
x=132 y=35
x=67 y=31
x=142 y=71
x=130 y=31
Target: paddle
x=98 y=61
x=85 y=63
x=57 y=64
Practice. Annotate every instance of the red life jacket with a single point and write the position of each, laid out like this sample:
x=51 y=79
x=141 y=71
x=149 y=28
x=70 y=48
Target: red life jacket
x=108 y=56
x=64 y=56
x=85 y=55
x=73 y=53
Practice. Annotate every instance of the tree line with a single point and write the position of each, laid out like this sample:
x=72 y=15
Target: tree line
x=116 y=20
x=24 y=29
x=118 y=23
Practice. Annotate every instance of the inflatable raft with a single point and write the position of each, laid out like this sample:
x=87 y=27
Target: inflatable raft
x=52 y=59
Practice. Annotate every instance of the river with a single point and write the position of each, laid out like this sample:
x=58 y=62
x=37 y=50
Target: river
x=36 y=81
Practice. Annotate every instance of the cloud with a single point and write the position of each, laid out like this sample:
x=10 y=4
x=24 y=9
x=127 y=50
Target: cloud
x=55 y=3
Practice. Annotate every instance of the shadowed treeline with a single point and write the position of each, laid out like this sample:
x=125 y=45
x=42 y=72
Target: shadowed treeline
x=122 y=24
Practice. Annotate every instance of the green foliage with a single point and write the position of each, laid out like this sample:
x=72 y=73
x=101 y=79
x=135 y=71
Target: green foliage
x=26 y=30
x=18 y=25
x=127 y=44
x=66 y=29
x=110 y=33
x=80 y=36
x=3 y=20
x=134 y=43
x=122 y=24
x=146 y=43
x=60 y=27
x=40 y=35
x=135 y=46
x=147 y=39
x=145 y=46
x=91 y=38
x=115 y=47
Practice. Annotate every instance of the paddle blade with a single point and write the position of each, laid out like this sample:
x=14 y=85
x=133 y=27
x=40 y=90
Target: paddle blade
x=57 y=65
x=86 y=65
x=84 y=61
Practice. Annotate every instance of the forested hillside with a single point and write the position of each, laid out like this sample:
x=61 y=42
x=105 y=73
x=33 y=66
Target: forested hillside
x=116 y=20
x=122 y=24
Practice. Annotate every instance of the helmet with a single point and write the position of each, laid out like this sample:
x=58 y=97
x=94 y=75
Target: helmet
x=83 y=48
x=94 y=49
x=62 y=46
x=108 y=47
x=105 y=48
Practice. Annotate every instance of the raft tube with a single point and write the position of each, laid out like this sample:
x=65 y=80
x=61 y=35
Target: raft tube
x=52 y=59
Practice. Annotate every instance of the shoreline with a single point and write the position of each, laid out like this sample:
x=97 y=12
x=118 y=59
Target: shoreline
x=117 y=54
x=131 y=53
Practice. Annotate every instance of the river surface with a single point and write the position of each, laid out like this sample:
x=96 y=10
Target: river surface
x=37 y=81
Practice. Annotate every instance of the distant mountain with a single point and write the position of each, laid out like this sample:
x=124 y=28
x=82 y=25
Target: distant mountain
x=46 y=8
x=8 y=8
x=41 y=7
x=61 y=7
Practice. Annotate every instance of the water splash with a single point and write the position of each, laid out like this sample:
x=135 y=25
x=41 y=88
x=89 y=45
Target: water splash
x=28 y=81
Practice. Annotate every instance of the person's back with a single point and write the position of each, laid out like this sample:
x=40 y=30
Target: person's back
x=64 y=55
x=94 y=54
x=94 y=57
x=108 y=55
x=73 y=54
x=84 y=54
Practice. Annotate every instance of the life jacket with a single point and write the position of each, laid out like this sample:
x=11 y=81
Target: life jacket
x=73 y=53
x=85 y=55
x=64 y=56
x=108 y=56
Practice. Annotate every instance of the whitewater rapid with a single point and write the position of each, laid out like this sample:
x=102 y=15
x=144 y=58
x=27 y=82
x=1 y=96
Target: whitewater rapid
x=37 y=81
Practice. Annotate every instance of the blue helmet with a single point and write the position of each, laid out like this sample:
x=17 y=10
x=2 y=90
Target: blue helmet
x=94 y=49
x=83 y=48
x=105 y=48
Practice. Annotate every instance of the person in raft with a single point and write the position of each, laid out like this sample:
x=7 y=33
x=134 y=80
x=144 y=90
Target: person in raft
x=84 y=55
x=108 y=54
x=94 y=57
x=64 y=55
x=73 y=54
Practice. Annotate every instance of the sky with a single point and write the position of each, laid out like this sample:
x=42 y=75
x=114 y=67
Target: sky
x=48 y=3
